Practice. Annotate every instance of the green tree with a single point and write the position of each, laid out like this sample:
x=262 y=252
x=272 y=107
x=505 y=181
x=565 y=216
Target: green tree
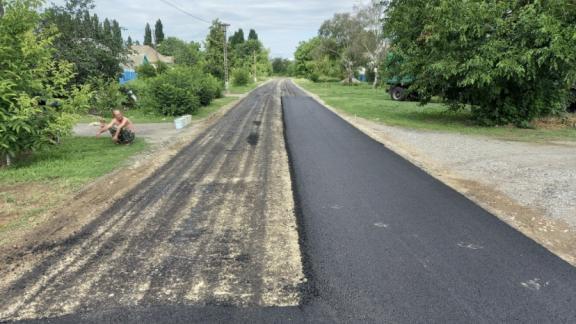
x=237 y=38
x=312 y=60
x=342 y=38
x=83 y=41
x=107 y=30
x=36 y=104
x=214 y=52
x=117 y=40
x=510 y=61
x=252 y=35
x=148 y=35
x=158 y=32
x=184 y=53
x=129 y=42
x=281 y=66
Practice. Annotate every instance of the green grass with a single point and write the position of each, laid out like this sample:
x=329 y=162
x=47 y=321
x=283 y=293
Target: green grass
x=213 y=107
x=376 y=105
x=41 y=181
x=243 y=89
x=75 y=162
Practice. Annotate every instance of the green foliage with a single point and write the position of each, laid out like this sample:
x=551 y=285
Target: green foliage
x=107 y=97
x=146 y=70
x=210 y=89
x=184 y=53
x=240 y=77
x=252 y=35
x=242 y=54
x=214 y=53
x=237 y=38
x=281 y=66
x=37 y=106
x=312 y=61
x=158 y=32
x=161 y=67
x=180 y=90
x=511 y=61
x=96 y=49
x=148 y=35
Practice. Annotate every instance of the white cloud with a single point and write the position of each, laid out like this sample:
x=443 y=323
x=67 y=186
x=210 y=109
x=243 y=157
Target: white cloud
x=281 y=24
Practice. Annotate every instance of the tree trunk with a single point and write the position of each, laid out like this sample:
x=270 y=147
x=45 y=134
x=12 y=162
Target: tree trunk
x=1 y=9
x=375 y=84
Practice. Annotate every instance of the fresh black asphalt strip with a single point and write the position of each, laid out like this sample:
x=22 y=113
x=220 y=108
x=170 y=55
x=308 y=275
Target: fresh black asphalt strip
x=384 y=242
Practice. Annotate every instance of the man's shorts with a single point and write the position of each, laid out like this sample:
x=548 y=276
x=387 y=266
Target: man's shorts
x=126 y=136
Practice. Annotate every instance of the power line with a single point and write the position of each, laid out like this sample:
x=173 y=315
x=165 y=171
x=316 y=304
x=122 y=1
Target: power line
x=185 y=12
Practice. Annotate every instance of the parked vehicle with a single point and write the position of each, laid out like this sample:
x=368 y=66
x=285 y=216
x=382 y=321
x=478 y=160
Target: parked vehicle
x=398 y=84
x=572 y=107
x=398 y=87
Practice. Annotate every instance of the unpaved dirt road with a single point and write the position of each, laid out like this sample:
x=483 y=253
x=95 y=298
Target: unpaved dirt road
x=214 y=226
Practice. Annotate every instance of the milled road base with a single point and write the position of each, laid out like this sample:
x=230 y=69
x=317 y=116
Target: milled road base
x=215 y=225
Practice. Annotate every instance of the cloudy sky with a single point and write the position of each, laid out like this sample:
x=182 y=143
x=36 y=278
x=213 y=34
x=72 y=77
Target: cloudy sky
x=281 y=24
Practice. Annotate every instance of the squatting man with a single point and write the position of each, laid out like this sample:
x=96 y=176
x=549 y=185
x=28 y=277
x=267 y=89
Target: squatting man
x=121 y=128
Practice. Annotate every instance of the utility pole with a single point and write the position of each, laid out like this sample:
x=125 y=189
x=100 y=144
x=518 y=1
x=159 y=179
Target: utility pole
x=226 y=84
x=255 y=68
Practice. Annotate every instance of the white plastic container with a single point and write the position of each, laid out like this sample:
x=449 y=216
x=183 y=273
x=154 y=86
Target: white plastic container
x=182 y=121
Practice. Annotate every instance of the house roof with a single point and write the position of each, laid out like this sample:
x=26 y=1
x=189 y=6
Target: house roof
x=142 y=53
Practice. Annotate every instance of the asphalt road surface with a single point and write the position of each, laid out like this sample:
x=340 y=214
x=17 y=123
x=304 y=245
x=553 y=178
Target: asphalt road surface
x=212 y=238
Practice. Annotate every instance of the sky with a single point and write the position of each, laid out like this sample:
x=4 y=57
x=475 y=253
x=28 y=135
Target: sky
x=280 y=24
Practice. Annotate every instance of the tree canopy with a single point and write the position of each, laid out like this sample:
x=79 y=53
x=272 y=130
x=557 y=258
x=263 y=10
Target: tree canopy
x=95 y=48
x=158 y=32
x=148 y=35
x=511 y=61
x=36 y=101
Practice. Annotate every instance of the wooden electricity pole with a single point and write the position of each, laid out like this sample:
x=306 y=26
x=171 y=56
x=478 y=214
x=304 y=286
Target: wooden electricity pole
x=226 y=78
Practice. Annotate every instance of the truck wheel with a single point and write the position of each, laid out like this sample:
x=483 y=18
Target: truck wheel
x=397 y=94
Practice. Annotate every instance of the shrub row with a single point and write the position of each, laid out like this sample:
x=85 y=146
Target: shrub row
x=178 y=91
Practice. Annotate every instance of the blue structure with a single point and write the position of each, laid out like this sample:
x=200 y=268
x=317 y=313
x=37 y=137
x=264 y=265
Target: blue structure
x=128 y=75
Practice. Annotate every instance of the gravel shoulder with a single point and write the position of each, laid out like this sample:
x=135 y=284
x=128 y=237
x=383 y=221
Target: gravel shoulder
x=531 y=186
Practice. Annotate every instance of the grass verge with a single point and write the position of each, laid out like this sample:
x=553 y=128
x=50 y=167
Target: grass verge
x=41 y=181
x=376 y=105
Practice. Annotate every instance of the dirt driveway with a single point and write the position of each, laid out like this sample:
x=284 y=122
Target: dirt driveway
x=154 y=133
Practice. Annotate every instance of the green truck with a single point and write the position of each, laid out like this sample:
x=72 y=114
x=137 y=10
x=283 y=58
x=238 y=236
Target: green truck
x=398 y=84
x=398 y=87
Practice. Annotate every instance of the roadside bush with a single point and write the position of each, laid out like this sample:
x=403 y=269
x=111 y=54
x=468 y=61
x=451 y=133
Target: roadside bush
x=174 y=101
x=240 y=77
x=180 y=90
x=146 y=71
x=314 y=77
x=161 y=67
x=37 y=107
x=210 y=89
x=107 y=97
